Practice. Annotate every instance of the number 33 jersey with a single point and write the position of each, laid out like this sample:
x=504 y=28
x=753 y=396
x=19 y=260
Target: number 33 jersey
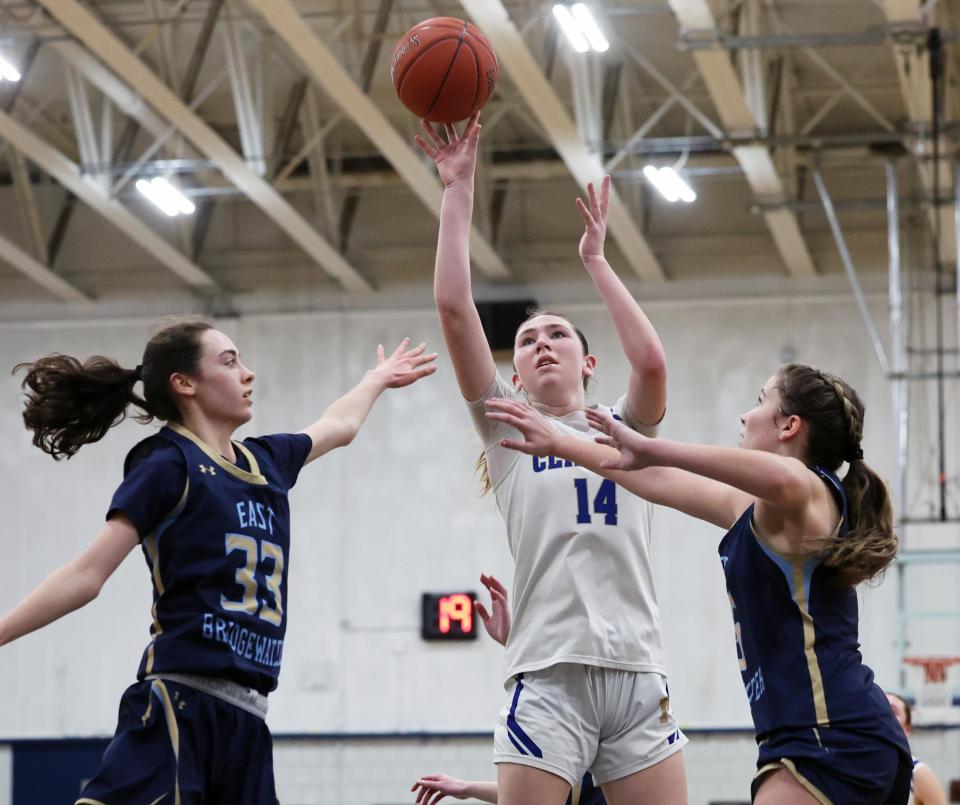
x=582 y=588
x=216 y=537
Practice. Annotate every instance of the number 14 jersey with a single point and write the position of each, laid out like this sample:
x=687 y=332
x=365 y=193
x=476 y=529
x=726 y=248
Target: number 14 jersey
x=582 y=588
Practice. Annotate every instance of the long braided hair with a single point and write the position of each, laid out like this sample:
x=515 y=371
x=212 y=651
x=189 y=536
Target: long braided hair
x=834 y=415
x=72 y=403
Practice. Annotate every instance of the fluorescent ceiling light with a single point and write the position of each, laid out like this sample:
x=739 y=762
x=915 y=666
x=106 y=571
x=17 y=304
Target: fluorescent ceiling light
x=588 y=26
x=570 y=28
x=165 y=196
x=8 y=71
x=669 y=184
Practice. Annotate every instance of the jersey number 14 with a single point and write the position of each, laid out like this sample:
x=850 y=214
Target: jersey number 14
x=604 y=502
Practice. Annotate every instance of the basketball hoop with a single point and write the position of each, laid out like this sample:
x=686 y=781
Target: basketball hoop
x=935 y=689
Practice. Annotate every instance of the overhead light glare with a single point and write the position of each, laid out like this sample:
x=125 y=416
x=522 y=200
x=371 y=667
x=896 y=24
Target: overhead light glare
x=166 y=197
x=8 y=71
x=669 y=184
x=588 y=26
x=570 y=28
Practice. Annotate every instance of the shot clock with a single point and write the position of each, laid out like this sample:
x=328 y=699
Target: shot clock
x=448 y=616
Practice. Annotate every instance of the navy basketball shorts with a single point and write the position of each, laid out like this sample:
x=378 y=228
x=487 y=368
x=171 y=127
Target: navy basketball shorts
x=838 y=766
x=569 y=718
x=177 y=744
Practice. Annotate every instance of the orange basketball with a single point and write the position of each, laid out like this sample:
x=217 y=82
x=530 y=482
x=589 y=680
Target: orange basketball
x=444 y=69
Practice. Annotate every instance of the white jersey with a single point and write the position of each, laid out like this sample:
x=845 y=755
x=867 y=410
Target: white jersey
x=582 y=587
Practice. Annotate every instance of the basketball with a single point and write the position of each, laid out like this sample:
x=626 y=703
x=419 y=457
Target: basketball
x=444 y=70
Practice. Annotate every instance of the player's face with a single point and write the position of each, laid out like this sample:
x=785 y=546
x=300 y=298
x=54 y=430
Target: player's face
x=224 y=387
x=760 y=428
x=548 y=358
x=899 y=711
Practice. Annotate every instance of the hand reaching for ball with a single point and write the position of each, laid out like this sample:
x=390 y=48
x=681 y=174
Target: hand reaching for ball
x=456 y=159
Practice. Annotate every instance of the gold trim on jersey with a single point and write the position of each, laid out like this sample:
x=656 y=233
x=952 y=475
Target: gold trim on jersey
x=809 y=633
x=252 y=477
x=153 y=551
x=788 y=765
x=88 y=801
x=809 y=639
x=174 y=730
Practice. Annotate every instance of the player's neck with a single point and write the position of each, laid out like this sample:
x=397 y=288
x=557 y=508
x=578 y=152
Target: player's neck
x=216 y=435
x=560 y=407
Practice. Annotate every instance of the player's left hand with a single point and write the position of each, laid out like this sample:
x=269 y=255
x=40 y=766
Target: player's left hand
x=633 y=446
x=434 y=787
x=595 y=220
x=404 y=366
x=497 y=620
x=539 y=436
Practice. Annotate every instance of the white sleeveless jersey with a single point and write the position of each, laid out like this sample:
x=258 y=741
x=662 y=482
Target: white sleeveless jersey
x=582 y=587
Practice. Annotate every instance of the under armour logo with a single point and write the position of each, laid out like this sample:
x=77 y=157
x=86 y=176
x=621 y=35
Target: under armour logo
x=205 y=469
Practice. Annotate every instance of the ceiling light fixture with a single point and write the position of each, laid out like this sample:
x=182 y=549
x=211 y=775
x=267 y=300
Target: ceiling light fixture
x=588 y=26
x=669 y=184
x=571 y=28
x=7 y=71
x=165 y=196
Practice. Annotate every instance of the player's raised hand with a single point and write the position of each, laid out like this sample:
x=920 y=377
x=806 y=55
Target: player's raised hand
x=595 y=220
x=497 y=620
x=539 y=436
x=456 y=159
x=431 y=788
x=404 y=366
x=633 y=446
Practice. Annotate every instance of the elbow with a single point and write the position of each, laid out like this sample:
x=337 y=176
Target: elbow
x=449 y=308
x=653 y=368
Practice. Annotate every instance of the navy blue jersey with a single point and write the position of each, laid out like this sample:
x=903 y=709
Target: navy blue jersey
x=216 y=537
x=797 y=638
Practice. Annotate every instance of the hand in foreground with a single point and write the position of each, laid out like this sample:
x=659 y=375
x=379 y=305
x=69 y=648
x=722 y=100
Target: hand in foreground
x=497 y=620
x=434 y=787
x=404 y=366
x=456 y=159
x=633 y=447
x=539 y=436
x=595 y=220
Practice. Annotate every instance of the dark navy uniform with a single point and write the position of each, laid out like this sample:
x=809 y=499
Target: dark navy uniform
x=815 y=707
x=216 y=537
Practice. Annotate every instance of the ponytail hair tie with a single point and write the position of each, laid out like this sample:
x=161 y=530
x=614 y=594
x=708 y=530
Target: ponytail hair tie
x=854 y=454
x=138 y=372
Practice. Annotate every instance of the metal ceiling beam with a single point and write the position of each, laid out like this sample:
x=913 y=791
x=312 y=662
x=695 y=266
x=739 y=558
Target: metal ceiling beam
x=327 y=71
x=36 y=271
x=913 y=71
x=70 y=175
x=102 y=42
x=555 y=122
x=725 y=88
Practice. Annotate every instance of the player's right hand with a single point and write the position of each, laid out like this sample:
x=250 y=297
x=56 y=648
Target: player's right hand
x=456 y=159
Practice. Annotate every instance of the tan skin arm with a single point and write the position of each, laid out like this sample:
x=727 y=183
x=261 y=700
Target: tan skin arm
x=75 y=584
x=340 y=423
x=926 y=787
x=463 y=333
x=703 y=498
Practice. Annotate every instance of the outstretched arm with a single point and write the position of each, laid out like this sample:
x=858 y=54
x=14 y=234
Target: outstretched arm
x=456 y=161
x=703 y=498
x=341 y=422
x=75 y=584
x=647 y=389
x=780 y=481
x=431 y=788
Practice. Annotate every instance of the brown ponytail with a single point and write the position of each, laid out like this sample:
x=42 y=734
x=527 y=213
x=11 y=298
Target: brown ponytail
x=70 y=404
x=834 y=415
